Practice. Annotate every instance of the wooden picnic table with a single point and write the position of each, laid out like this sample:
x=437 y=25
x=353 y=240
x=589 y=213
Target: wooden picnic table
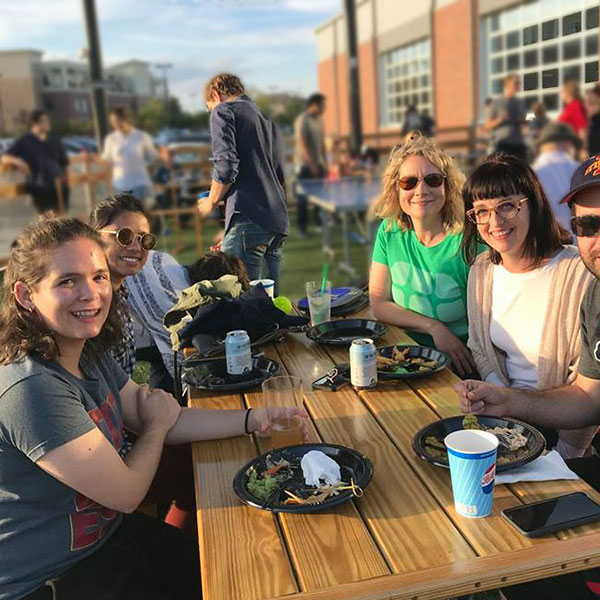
x=402 y=539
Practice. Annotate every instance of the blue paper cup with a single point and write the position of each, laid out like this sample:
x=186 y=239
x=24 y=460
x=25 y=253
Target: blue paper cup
x=472 y=456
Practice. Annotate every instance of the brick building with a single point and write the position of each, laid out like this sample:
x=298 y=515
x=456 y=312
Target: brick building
x=447 y=56
x=62 y=88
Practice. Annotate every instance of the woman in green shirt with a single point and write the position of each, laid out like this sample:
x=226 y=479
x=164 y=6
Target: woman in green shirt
x=418 y=277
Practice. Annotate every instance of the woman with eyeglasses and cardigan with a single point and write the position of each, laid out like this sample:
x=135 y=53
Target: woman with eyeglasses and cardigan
x=418 y=275
x=524 y=293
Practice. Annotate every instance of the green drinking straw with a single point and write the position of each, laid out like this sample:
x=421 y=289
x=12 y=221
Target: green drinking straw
x=325 y=273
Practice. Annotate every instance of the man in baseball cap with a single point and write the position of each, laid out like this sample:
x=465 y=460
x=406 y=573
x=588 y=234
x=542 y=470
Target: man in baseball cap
x=570 y=406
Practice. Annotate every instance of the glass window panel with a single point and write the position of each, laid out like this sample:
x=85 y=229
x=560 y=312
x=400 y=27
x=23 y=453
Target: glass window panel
x=530 y=58
x=550 y=78
x=497 y=64
x=591 y=18
x=571 y=23
x=424 y=80
x=414 y=83
x=495 y=22
x=550 y=29
x=591 y=45
x=415 y=99
x=405 y=69
x=530 y=101
x=550 y=101
x=571 y=73
x=513 y=61
x=512 y=40
x=591 y=71
x=425 y=64
x=497 y=43
x=424 y=97
x=497 y=86
x=530 y=81
x=571 y=50
x=549 y=54
x=530 y=35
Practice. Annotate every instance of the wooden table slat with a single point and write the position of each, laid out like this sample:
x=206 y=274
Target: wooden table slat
x=242 y=555
x=327 y=548
x=409 y=526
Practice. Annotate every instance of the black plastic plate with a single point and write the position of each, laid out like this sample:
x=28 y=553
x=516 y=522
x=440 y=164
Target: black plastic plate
x=440 y=429
x=353 y=465
x=212 y=374
x=345 y=331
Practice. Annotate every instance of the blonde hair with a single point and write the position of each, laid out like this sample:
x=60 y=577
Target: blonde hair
x=387 y=205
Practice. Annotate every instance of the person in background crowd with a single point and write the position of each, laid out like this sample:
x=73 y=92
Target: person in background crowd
x=535 y=125
x=569 y=406
x=248 y=175
x=412 y=121
x=555 y=166
x=68 y=484
x=523 y=330
x=418 y=277
x=43 y=159
x=506 y=118
x=573 y=112
x=592 y=106
x=310 y=156
x=427 y=124
x=130 y=152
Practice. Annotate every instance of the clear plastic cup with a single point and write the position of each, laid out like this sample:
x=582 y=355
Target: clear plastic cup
x=283 y=392
x=319 y=301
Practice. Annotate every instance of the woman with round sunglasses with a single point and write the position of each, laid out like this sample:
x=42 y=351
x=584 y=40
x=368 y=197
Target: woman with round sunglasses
x=418 y=276
x=125 y=228
x=524 y=293
x=68 y=484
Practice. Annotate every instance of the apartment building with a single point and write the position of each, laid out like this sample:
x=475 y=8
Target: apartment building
x=62 y=87
x=448 y=56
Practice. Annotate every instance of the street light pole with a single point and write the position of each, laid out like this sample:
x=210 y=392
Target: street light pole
x=96 y=78
x=354 y=87
x=164 y=67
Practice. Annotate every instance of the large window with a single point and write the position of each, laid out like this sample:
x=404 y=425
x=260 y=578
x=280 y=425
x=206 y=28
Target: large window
x=546 y=42
x=405 y=81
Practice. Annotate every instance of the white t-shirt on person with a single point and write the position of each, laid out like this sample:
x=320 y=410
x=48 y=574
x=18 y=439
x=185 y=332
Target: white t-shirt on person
x=129 y=155
x=519 y=302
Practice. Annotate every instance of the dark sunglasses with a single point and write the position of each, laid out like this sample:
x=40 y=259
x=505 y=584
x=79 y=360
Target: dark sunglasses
x=587 y=226
x=433 y=180
x=126 y=237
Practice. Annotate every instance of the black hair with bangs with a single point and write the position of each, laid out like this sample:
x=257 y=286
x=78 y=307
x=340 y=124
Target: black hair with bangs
x=500 y=176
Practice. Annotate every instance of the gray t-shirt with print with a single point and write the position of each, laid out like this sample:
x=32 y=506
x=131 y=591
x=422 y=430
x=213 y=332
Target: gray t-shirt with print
x=46 y=526
x=589 y=363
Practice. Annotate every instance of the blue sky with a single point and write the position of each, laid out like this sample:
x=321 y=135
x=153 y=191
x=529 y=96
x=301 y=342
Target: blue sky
x=270 y=43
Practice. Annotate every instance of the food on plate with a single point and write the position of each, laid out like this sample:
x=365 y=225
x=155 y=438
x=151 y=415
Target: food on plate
x=400 y=359
x=308 y=480
x=512 y=444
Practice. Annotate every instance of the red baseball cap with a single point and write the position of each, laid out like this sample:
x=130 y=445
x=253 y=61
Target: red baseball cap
x=586 y=175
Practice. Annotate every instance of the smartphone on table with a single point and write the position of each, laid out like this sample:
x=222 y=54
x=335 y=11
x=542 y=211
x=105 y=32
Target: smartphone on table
x=563 y=512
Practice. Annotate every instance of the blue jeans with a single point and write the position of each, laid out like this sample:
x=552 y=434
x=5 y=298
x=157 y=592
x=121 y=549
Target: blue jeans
x=260 y=250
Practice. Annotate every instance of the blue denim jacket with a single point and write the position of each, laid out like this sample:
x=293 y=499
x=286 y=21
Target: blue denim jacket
x=247 y=152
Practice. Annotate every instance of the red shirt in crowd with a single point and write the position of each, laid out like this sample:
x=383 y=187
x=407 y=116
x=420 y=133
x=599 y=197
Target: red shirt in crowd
x=573 y=114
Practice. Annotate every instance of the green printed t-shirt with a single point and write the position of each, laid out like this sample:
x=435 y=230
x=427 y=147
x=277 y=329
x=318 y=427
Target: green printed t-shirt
x=430 y=281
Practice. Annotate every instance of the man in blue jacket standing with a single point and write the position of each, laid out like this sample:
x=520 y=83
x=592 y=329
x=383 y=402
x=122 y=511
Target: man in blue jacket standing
x=248 y=175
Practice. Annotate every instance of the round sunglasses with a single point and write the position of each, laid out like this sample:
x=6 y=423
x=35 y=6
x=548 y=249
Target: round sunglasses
x=433 y=180
x=126 y=237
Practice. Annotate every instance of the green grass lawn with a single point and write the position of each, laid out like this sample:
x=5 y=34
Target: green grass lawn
x=302 y=258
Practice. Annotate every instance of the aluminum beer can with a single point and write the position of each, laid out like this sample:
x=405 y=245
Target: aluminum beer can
x=237 y=352
x=363 y=364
